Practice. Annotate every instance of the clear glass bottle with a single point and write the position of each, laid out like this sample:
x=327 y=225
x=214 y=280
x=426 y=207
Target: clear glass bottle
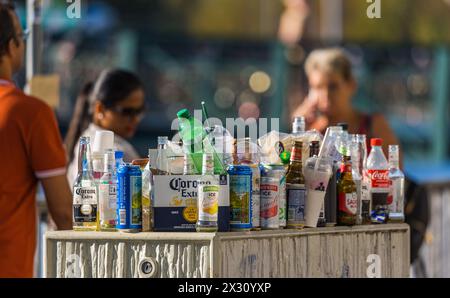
x=298 y=127
x=107 y=191
x=366 y=201
x=396 y=198
x=85 y=191
x=188 y=165
x=207 y=197
x=162 y=161
x=355 y=152
x=362 y=143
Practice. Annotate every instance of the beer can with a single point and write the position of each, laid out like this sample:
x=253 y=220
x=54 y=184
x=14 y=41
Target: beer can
x=270 y=196
x=129 y=198
x=256 y=200
x=240 y=197
x=278 y=171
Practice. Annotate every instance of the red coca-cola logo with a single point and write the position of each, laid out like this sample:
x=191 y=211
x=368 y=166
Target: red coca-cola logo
x=380 y=175
x=379 y=178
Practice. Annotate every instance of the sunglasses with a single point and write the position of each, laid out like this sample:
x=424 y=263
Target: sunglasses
x=130 y=112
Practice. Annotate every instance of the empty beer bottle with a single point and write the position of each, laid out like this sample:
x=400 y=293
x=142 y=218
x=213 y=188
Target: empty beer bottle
x=85 y=191
x=346 y=192
x=295 y=189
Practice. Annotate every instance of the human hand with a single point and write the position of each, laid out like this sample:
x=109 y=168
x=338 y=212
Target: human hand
x=308 y=109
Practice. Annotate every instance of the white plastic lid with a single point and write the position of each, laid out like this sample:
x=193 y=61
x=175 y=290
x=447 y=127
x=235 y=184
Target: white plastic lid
x=104 y=140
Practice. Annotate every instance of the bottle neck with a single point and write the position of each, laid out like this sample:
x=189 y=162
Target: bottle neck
x=346 y=167
x=314 y=152
x=84 y=162
x=208 y=165
x=298 y=128
x=208 y=169
x=296 y=155
x=356 y=167
x=188 y=168
x=110 y=164
x=394 y=163
x=393 y=157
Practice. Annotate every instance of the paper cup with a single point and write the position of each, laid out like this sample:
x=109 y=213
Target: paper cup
x=313 y=204
x=103 y=140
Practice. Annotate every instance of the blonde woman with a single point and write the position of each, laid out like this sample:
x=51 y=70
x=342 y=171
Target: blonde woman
x=331 y=88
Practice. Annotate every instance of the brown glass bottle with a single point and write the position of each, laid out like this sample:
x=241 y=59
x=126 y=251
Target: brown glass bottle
x=346 y=194
x=295 y=189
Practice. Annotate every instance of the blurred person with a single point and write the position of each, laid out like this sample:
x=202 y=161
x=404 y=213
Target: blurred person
x=331 y=88
x=292 y=21
x=31 y=151
x=115 y=102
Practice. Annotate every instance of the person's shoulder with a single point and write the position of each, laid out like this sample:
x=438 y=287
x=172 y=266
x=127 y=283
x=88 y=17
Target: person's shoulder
x=371 y=119
x=37 y=104
x=378 y=116
x=28 y=105
x=379 y=121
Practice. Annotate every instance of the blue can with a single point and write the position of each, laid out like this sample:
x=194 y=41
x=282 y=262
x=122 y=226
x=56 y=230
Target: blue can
x=129 y=198
x=240 y=197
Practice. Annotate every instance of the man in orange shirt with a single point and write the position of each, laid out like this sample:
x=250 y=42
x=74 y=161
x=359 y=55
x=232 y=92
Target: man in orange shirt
x=31 y=150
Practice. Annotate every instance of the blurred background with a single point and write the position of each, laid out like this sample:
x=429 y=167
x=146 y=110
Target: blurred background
x=246 y=58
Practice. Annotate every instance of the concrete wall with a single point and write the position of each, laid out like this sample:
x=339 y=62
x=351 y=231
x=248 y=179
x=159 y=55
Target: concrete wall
x=323 y=252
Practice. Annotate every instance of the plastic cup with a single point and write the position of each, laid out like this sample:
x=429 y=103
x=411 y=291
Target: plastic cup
x=104 y=139
x=313 y=205
x=317 y=175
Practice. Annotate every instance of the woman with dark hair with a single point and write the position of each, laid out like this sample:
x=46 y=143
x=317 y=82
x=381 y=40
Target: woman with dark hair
x=116 y=103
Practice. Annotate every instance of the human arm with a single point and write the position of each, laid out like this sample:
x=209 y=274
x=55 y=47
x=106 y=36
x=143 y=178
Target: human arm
x=59 y=200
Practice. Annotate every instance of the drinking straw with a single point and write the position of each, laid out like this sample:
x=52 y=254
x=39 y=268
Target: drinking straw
x=205 y=113
x=323 y=142
x=321 y=153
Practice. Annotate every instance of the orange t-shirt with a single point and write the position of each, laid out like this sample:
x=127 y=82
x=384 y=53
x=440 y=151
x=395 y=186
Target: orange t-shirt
x=30 y=149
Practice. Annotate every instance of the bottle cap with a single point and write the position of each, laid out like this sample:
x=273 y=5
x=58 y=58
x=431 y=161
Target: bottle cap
x=184 y=113
x=376 y=142
x=104 y=140
x=285 y=157
x=118 y=154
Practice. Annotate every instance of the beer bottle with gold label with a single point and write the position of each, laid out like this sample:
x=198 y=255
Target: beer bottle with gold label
x=346 y=192
x=295 y=189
